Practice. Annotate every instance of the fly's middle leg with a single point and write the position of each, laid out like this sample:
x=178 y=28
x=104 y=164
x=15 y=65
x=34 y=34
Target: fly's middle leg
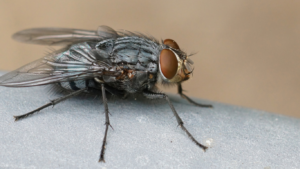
x=107 y=124
x=152 y=95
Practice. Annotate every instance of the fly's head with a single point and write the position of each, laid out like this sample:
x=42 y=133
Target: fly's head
x=174 y=64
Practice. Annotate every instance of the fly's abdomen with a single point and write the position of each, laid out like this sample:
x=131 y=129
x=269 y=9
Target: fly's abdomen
x=78 y=84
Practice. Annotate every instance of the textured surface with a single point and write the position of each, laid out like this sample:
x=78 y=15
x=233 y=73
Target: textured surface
x=144 y=136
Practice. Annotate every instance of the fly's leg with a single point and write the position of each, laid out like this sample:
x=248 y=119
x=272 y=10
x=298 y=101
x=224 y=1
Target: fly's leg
x=51 y=103
x=107 y=124
x=152 y=95
x=190 y=100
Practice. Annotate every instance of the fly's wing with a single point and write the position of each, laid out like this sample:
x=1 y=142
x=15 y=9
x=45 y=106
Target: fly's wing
x=77 y=63
x=63 y=36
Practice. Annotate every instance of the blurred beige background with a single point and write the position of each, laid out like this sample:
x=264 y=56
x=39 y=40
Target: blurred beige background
x=248 y=51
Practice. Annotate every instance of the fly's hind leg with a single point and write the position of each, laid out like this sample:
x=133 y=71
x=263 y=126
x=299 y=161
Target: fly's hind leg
x=52 y=103
x=190 y=100
x=152 y=95
x=107 y=124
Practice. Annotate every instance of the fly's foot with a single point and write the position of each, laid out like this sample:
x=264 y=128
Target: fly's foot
x=17 y=118
x=195 y=103
x=204 y=148
x=180 y=90
x=101 y=159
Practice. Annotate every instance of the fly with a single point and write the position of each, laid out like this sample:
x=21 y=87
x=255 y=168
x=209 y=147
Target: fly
x=119 y=62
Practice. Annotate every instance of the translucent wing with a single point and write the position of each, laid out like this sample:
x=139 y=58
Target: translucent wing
x=77 y=63
x=63 y=36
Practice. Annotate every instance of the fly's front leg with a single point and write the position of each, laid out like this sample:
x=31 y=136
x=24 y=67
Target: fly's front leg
x=107 y=124
x=190 y=100
x=152 y=95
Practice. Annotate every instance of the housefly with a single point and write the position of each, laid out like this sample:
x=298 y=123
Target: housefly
x=119 y=62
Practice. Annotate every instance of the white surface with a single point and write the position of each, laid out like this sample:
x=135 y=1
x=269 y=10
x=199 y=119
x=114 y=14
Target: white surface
x=144 y=136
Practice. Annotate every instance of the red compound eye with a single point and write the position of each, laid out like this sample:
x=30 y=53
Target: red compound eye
x=171 y=43
x=168 y=63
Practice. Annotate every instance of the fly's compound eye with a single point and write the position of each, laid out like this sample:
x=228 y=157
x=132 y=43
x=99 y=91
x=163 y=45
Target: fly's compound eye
x=171 y=43
x=168 y=63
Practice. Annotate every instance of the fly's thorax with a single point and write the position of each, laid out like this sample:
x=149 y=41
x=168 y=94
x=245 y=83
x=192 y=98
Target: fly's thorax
x=174 y=65
x=137 y=59
x=136 y=53
x=130 y=80
x=136 y=80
